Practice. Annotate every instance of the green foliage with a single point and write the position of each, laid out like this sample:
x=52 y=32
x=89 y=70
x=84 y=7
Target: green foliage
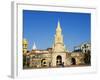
x=24 y=60
x=87 y=58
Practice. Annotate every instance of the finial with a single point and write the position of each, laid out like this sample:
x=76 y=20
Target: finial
x=58 y=26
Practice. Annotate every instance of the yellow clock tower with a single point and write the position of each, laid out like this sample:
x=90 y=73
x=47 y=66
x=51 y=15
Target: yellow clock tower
x=58 y=45
x=59 y=51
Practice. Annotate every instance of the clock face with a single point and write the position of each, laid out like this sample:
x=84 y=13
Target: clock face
x=58 y=38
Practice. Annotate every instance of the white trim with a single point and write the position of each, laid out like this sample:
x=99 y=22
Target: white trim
x=18 y=69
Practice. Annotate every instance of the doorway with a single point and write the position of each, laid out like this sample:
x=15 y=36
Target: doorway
x=73 y=61
x=59 y=60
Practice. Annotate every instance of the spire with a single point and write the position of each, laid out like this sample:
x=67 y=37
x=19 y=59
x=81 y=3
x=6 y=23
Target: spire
x=58 y=26
x=58 y=42
x=58 y=35
x=34 y=46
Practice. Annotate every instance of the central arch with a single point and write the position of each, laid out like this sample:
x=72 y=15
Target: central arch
x=58 y=60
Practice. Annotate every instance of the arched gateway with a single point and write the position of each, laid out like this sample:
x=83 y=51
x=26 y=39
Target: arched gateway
x=58 y=60
x=73 y=61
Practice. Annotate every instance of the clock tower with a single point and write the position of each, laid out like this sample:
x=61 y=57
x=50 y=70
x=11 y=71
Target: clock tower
x=59 y=51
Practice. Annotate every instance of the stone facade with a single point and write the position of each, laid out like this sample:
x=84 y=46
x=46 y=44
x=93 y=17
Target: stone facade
x=57 y=56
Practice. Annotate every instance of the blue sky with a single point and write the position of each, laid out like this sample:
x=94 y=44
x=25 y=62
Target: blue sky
x=40 y=27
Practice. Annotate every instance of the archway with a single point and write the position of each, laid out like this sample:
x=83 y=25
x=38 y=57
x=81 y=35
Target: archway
x=59 y=60
x=43 y=63
x=73 y=61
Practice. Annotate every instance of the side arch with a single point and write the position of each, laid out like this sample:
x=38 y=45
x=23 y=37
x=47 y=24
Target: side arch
x=73 y=61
